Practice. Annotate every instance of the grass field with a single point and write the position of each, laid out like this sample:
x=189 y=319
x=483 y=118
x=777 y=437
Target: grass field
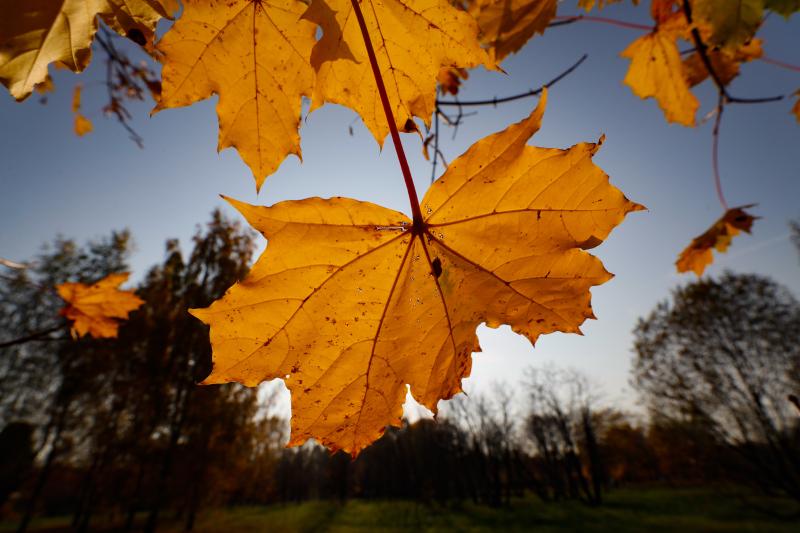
x=646 y=510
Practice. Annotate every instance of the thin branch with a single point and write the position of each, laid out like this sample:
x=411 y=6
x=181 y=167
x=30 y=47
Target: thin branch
x=33 y=337
x=533 y=92
x=560 y=20
x=122 y=64
x=715 y=151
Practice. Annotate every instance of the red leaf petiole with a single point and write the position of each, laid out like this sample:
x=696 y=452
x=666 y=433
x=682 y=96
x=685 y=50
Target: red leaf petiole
x=387 y=109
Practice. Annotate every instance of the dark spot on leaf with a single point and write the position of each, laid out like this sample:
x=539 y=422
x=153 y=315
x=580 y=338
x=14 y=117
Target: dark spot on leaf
x=436 y=264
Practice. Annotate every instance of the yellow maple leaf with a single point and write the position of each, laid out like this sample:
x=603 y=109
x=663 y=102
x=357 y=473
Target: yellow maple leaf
x=656 y=71
x=255 y=56
x=350 y=302
x=413 y=40
x=697 y=256
x=35 y=33
x=98 y=308
x=82 y=124
x=506 y=25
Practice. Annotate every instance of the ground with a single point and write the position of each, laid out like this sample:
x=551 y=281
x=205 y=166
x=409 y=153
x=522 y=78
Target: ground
x=642 y=509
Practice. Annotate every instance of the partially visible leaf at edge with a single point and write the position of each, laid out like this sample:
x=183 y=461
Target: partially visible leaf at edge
x=796 y=107
x=506 y=25
x=349 y=303
x=786 y=8
x=35 y=33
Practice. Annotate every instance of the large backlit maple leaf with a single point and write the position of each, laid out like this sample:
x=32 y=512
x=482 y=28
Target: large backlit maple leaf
x=35 y=33
x=351 y=301
x=413 y=40
x=98 y=308
x=255 y=55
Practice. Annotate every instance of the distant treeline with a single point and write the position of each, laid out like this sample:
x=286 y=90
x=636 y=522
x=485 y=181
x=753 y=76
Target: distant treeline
x=117 y=430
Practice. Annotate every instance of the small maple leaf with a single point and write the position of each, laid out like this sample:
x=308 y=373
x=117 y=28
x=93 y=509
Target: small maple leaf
x=413 y=40
x=796 y=107
x=506 y=25
x=97 y=309
x=725 y=63
x=656 y=71
x=697 y=256
x=255 y=55
x=351 y=301
x=35 y=33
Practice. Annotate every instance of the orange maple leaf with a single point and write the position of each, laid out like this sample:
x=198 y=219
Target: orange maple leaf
x=413 y=39
x=98 y=308
x=506 y=25
x=255 y=55
x=656 y=70
x=697 y=256
x=35 y=33
x=351 y=301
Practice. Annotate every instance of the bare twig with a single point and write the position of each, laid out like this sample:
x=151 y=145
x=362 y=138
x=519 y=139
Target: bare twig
x=560 y=20
x=533 y=92
x=38 y=336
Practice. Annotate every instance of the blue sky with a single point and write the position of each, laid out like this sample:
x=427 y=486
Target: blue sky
x=52 y=182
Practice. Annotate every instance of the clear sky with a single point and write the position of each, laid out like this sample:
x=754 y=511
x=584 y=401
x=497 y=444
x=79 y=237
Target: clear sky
x=52 y=182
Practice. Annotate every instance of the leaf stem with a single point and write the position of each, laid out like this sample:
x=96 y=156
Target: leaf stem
x=715 y=151
x=778 y=63
x=387 y=109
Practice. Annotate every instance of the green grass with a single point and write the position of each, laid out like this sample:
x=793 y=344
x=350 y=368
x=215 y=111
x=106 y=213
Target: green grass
x=647 y=509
